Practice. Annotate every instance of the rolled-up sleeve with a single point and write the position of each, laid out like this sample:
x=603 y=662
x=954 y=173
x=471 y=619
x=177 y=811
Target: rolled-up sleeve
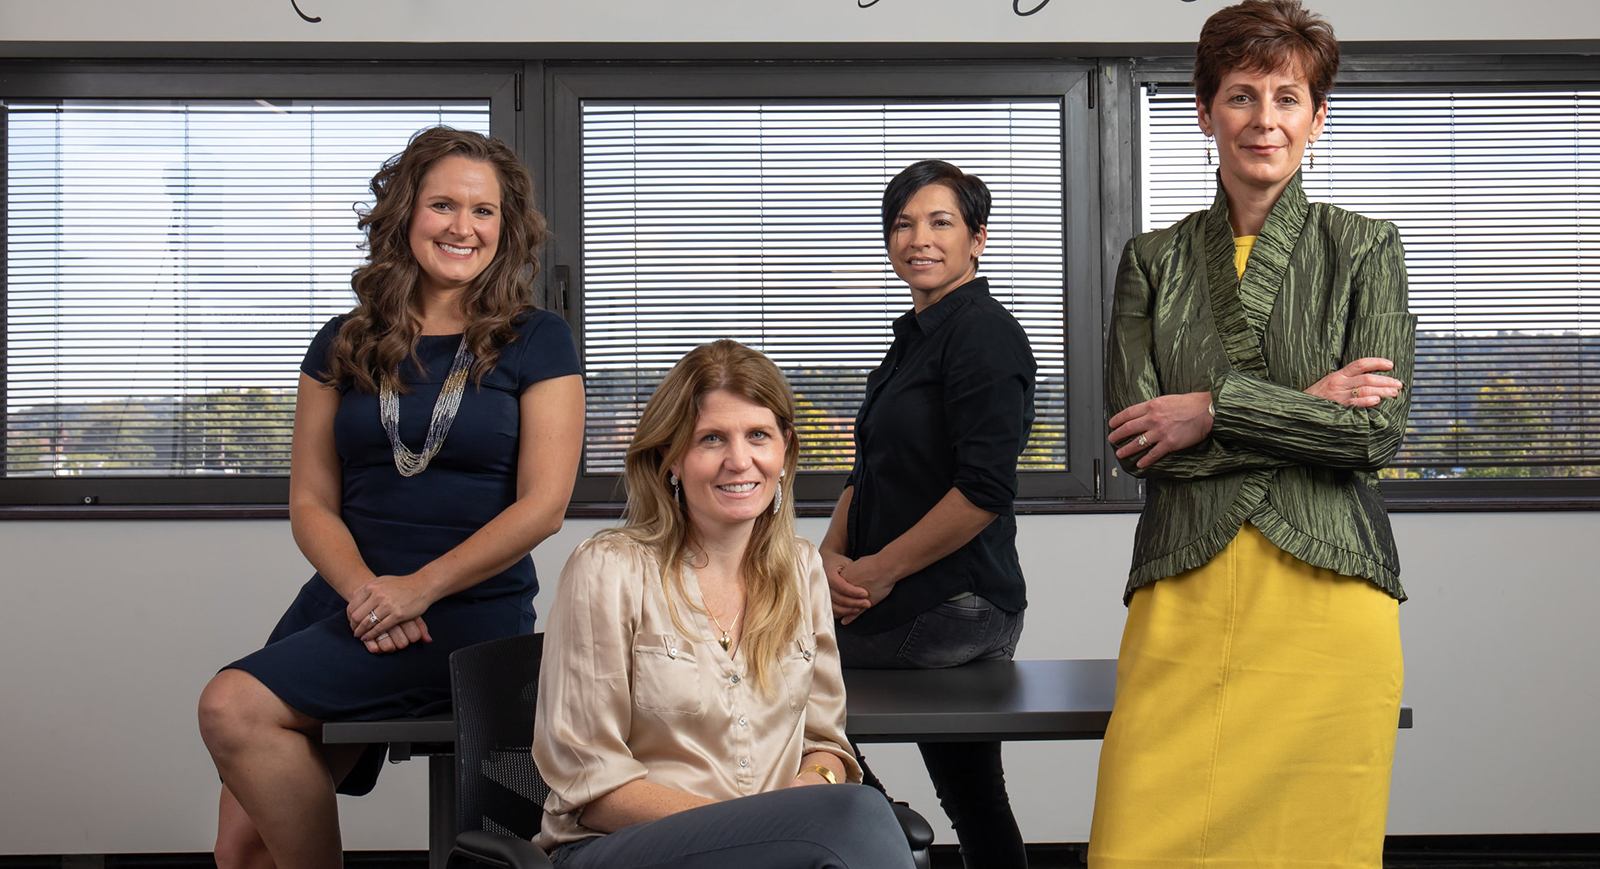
x=825 y=708
x=988 y=404
x=585 y=706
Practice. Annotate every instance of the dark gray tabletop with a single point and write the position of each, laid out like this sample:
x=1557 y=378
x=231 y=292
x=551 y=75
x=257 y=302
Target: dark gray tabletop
x=992 y=700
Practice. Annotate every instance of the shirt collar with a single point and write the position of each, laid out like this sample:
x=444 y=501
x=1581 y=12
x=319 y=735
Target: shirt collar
x=929 y=319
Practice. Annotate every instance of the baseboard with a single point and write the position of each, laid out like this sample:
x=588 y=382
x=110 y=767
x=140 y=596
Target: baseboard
x=1563 y=850
x=352 y=860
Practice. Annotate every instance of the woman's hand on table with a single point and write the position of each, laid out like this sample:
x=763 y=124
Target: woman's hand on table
x=386 y=602
x=849 y=600
x=1358 y=384
x=1162 y=425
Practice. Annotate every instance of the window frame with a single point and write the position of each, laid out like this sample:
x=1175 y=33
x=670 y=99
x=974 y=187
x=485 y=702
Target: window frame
x=499 y=84
x=1102 y=138
x=1377 y=72
x=1070 y=81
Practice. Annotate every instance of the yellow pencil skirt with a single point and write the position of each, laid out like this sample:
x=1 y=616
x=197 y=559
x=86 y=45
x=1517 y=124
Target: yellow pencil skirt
x=1257 y=705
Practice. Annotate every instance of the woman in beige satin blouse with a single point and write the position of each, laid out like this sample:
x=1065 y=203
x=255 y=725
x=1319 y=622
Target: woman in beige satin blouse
x=691 y=705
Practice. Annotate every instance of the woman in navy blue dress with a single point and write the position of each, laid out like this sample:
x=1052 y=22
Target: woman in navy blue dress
x=417 y=553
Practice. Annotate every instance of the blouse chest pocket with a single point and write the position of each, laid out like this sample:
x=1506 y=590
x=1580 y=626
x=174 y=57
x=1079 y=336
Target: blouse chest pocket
x=798 y=662
x=666 y=678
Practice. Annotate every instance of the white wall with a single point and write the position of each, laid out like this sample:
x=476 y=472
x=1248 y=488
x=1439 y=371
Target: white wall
x=108 y=630
x=744 y=21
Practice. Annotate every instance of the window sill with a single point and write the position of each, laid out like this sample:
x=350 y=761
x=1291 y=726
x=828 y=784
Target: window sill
x=806 y=509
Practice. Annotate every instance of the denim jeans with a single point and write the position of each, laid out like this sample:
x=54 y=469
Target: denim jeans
x=967 y=776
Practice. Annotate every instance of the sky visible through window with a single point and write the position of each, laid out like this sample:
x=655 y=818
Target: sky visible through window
x=168 y=263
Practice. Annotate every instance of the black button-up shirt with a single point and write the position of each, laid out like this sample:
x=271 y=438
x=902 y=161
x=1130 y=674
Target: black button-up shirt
x=950 y=407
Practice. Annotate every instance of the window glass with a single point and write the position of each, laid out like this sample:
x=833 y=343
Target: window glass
x=1494 y=194
x=761 y=222
x=167 y=264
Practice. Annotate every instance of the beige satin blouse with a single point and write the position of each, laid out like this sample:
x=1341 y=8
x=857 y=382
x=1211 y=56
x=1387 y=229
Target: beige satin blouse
x=624 y=695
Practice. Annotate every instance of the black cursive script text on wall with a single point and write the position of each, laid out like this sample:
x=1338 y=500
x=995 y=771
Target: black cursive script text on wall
x=303 y=16
x=1016 y=5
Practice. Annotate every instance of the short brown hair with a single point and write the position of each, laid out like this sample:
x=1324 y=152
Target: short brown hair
x=1266 y=36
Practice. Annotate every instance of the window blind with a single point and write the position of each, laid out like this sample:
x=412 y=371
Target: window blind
x=761 y=222
x=166 y=265
x=1494 y=194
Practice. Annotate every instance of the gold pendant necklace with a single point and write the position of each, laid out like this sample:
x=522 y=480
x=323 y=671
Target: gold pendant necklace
x=726 y=640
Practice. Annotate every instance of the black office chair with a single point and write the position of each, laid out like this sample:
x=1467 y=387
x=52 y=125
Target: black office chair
x=499 y=793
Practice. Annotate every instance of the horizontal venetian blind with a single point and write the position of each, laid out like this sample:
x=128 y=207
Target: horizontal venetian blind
x=1494 y=194
x=760 y=222
x=167 y=264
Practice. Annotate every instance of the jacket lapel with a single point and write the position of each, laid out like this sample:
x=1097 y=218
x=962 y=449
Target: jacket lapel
x=1241 y=309
x=1214 y=247
x=1267 y=273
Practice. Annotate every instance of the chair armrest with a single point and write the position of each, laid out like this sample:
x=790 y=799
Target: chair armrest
x=497 y=850
x=919 y=834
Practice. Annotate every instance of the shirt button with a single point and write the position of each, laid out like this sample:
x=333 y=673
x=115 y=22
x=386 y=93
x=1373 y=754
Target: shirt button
x=808 y=654
x=741 y=721
x=672 y=651
x=744 y=761
x=735 y=679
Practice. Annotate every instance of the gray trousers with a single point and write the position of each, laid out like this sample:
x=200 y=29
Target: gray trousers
x=816 y=827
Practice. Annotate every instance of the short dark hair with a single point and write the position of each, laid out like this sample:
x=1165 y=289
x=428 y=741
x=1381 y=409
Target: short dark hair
x=1266 y=36
x=972 y=195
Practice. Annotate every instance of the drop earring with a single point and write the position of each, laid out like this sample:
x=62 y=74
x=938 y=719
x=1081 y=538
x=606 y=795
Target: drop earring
x=777 y=500
x=1208 y=150
x=1311 y=158
x=677 y=491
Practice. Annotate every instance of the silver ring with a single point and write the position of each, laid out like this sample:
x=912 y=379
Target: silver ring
x=1144 y=441
x=373 y=617
x=382 y=636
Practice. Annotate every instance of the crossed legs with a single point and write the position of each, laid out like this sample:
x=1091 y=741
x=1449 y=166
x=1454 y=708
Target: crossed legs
x=278 y=806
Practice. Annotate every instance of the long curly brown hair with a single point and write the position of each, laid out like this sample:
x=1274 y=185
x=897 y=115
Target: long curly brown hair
x=382 y=330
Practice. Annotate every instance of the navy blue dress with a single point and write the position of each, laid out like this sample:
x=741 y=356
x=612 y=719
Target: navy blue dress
x=312 y=661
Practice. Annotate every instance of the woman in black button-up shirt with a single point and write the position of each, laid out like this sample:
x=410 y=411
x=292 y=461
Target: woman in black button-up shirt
x=921 y=554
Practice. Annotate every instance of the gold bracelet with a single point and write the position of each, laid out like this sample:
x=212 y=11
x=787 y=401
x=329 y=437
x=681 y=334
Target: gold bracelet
x=821 y=770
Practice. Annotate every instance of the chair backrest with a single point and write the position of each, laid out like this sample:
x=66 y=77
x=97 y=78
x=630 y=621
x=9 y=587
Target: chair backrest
x=495 y=686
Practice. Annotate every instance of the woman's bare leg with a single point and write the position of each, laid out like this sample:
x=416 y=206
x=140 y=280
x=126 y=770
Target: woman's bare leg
x=239 y=844
x=274 y=770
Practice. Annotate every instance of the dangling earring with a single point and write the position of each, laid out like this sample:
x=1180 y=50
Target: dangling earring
x=1208 y=150
x=677 y=491
x=777 y=500
x=1312 y=159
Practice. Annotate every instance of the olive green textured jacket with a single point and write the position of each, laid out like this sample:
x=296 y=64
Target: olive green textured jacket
x=1322 y=288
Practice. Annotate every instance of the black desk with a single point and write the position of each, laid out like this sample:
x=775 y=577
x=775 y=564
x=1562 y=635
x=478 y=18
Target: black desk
x=1006 y=700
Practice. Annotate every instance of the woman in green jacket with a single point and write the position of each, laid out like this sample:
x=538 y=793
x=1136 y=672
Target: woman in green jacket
x=1256 y=372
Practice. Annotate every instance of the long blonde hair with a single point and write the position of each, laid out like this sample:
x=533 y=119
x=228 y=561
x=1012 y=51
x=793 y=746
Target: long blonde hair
x=774 y=598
